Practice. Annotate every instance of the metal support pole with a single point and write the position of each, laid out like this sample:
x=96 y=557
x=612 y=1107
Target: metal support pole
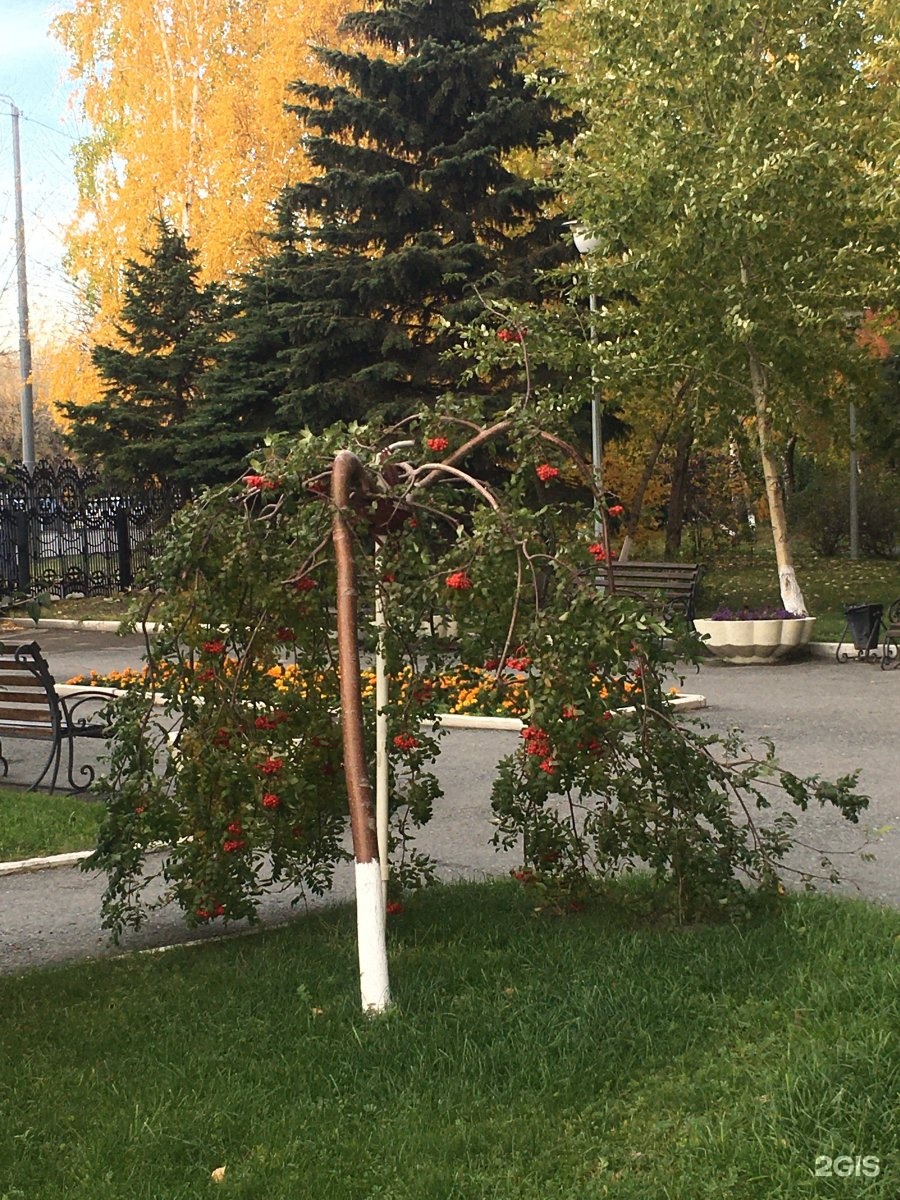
x=382 y=806
x=586 y=244
x=854 y=486
x=596 y=432
x=25 y=369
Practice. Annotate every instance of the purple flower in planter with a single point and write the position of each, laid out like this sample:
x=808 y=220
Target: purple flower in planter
x=753 y=614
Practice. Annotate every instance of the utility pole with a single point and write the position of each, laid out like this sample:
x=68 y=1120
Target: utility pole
x=25 y=370
x=854 y=486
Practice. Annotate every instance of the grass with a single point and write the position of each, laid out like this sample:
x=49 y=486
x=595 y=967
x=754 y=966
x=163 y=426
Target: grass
x=734 y=581
x=527 y=1057
x=827 y=584
x=90 y=608
x=37 y=823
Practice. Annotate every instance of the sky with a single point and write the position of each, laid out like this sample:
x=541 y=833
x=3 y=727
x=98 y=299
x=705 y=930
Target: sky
x=32 y=75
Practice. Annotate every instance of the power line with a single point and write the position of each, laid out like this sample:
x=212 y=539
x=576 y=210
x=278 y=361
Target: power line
x=62 y=133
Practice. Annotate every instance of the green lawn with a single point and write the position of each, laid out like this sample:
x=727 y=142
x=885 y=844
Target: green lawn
x=734 y=581
x=528 y=1056
x=89 y=608
x=37 y=823
x=827 y=583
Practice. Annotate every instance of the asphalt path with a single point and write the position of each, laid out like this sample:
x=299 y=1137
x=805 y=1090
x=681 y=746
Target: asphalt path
x=826 y=718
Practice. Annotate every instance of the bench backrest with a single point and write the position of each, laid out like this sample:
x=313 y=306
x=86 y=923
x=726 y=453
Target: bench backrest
x=676 y=581
x=27 y=689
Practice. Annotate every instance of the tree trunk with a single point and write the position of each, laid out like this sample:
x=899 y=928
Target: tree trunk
x=741 y=496
x=374 y=985
x=678 y=490
x=637 y=500
x=791 y=595
x=790 y=466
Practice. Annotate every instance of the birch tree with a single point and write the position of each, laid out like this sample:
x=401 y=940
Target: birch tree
x=185 y=103
x=735 y=170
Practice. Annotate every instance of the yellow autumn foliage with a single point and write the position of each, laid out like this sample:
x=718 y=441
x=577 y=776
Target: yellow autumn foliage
x=186 y=100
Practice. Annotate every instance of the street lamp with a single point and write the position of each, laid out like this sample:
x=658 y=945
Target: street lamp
x=586 y=244
x=25 y=369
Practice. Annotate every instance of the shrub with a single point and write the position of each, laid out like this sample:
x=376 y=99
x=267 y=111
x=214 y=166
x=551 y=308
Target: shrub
x=821 y=512
x=250 y=791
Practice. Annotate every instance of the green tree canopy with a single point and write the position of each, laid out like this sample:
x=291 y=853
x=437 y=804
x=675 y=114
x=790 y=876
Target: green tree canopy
x=734 y=171
x=417 y=204
x=167 y=329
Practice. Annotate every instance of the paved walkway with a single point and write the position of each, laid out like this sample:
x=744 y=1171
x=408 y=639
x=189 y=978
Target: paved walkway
x=825 y=718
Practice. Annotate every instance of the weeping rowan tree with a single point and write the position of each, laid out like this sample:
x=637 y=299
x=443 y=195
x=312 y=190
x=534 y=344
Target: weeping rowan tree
x=736 y=176
x=275 y=732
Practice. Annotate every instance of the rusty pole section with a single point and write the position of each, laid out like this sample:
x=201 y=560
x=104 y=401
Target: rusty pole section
x=347 y=472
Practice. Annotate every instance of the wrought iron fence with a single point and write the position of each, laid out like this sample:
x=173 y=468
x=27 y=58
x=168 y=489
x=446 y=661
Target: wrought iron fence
x=63 y=531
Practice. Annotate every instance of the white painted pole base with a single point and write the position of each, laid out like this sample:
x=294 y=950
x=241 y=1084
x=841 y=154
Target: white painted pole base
x=374 y=985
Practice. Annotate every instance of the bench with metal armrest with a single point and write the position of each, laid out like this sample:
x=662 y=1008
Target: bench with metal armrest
x=31 y=707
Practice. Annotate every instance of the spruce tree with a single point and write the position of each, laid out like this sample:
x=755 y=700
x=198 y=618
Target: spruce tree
x=417 y=211
x=167 y=328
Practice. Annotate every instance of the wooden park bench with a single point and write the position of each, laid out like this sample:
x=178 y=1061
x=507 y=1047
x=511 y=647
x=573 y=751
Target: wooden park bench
x=669 y=588
x=31 y=707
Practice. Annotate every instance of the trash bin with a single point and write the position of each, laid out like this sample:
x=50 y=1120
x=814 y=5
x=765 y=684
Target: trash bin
x=864 y=621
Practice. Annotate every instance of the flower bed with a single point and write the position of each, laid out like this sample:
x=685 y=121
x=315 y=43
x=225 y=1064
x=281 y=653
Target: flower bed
x=463 y=691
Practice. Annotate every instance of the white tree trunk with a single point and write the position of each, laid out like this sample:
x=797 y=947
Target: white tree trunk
x=374 y=985
x=791 y=595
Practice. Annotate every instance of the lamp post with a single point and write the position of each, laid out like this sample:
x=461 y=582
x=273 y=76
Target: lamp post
x=585 y=244
x=25 y=369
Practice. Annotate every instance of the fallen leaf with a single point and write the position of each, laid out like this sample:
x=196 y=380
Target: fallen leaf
x=218 y=1175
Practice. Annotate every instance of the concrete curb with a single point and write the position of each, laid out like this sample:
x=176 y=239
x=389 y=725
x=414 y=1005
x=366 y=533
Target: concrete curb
x=19 y=866
x=816 y=649
x=72 y=623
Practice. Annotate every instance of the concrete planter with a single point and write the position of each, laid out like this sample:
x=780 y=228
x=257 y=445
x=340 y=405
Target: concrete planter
x=751 y=642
